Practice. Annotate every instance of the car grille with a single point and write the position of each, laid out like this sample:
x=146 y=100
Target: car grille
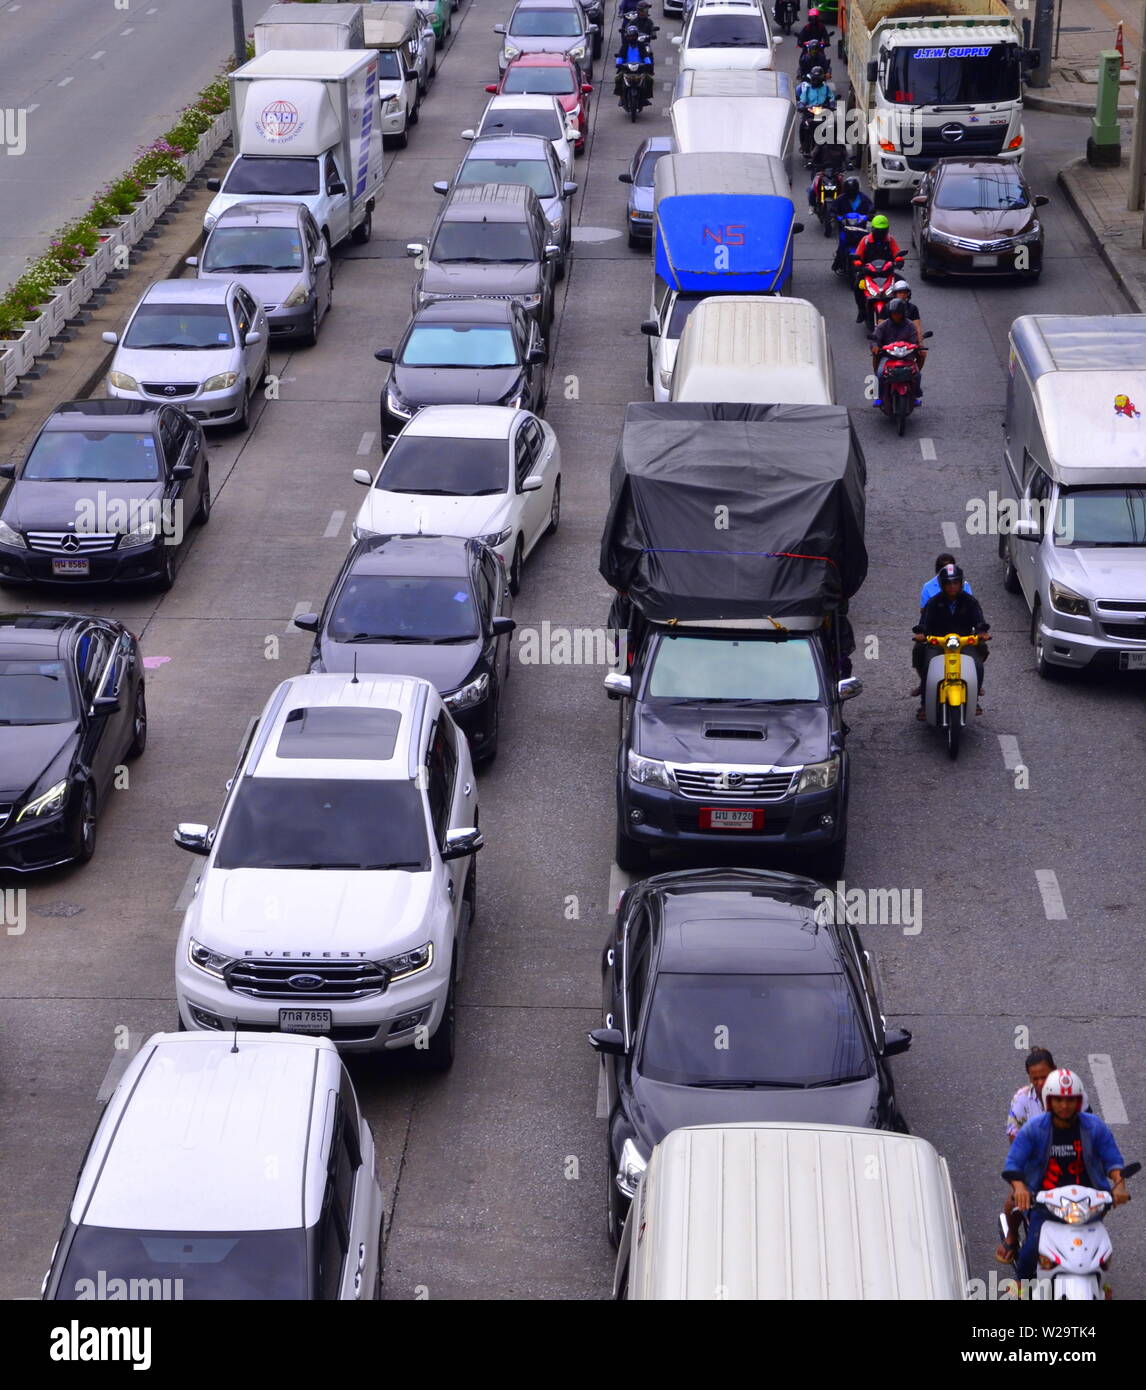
x=78 y=542
x=975 y=141
x=170 y=390
x=1119 y=605
x=265 y=979
x=6 y=810
x=965 y=244
x=708 y=784
x=1131 y=632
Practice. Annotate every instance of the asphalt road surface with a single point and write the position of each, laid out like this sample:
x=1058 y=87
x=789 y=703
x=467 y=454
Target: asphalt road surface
x=494 y=1173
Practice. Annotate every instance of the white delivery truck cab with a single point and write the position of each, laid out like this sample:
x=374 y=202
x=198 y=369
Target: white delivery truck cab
x=307 y=130
x=1071 y=517
x=792 y=1211
x=765 y=351
x=309 y=27
x=735 y=125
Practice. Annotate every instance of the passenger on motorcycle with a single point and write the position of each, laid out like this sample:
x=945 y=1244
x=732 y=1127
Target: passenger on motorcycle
x=951 y=610
x=1026 y=1103
x=931 y=588
x=852 y=199
x=897 y=328
x=634 y=49
x=645 y=26
x=1063 y=1147
x=878 y=245
x=814 y=29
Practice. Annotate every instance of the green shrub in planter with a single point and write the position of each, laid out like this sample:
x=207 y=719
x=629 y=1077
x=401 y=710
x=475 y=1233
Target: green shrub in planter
x=157 y=161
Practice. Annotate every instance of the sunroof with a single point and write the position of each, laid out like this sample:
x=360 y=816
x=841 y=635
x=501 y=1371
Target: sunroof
x=329 y=732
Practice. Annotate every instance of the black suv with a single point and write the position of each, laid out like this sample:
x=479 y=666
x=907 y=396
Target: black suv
x=105 y=495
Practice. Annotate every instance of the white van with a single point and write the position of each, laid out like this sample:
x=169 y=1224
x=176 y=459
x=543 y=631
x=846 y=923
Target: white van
x=791 y=1211
x=747 y=348
x=734 y=82
x=735 y=125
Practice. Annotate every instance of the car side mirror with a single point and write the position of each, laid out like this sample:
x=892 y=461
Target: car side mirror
x=1026 y=529
x=307 y=621
x=929 y=334
x=336 y=186
x=182 y=471
x=460 y=843
x=213 y=185
x=919 y=201
x=624 y=178
x=196 y=838
x=1041 y=200
x=536 y=357
x=190 y=260
x=651 y=328
x=442 y=186
x=112 y=338
x=618 y=685
x=571 y=133
x=469 y=134
x=106 y=704
x=609 y=1041
x=491 y=87
x=849 y=687
x=362 y=475
x=252 y=339
x=568 y=189
x=385 y=355
x=499 y=28
x=7 y=470
x=895 y=1041
x=534 y=483
x=677 y=40
x=502 y=627
x=777 y=40
x=415 y=248
x=410 y=74
x=320 y=260
x=552 y=252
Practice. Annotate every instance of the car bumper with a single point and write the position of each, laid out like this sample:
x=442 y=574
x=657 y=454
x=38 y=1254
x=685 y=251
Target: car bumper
x=668 y=820
x=132 y=566
x=1086 y=650
x=44 y=843
x=476 y=722
x=956 y=260
x=210 y=408
x=641 y=225
x=395 y=122
x=290 y=323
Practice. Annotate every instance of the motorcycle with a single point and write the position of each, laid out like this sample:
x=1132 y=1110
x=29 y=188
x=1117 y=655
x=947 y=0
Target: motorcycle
x=810 y=118
x=854 y=225
x=899 y=384
x=950 y=684
x=826 y=188
x=633 y=98
x=814 y=54
x=785 y=13
x=1074 y=1246
x=875 y=279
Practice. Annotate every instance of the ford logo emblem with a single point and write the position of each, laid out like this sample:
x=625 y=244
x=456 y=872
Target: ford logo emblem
x=953 y=133
x=308 y=982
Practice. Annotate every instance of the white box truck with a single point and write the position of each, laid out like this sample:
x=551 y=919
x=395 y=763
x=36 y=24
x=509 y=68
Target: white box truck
x=307 y=130
x=312 y=28
x=930 y=78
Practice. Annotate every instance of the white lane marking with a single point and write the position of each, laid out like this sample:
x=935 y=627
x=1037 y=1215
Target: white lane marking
x=13 y=8
x=1110 y=1103
x=951 y=535
x=927 y=449
x=97 y=56
x=334 y=525
x=303 y=607
x=117 y=1066
x=1053 y=904
x=65 y=82
x=602 y=1097
x=619 y=880
x=366 y=443
x=187 y=892
x=123 y=33
x=153 y=10
x=1009 y=745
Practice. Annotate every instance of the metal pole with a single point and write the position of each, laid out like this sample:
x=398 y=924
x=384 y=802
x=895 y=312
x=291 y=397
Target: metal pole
x=239 y=28
x=1057 y=27
x=1138 y=147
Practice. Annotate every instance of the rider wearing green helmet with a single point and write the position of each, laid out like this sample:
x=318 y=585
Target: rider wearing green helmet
x=878 y=245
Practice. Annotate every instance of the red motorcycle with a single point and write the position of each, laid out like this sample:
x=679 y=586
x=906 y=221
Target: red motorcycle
x=875 y=279
x=899 y=381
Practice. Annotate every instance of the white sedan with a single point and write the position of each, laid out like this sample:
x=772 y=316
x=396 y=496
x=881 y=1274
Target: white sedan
x=530 y=114
x=487 y=472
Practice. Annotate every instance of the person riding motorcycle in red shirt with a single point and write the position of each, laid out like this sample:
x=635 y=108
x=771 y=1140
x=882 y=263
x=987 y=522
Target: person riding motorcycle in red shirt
x=878 y=245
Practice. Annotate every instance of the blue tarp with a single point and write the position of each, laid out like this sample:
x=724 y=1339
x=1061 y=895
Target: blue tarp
x=724 y=242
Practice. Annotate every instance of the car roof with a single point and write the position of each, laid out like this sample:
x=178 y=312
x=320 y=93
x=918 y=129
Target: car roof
x=188 y=291
x=111 y=415
x=26 y=636
x=490 y=202
x=427 y=555
x=465 y=311
x=548 y=5
x=184 y=1142
x=510 y=147
x=259 y=214
x=463 y=422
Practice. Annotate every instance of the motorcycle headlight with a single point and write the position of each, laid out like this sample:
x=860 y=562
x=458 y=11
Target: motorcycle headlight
x=143 y=534
x=467 y=695
x=298 y=296
x=496 y=538
x=221 y=381
x=630 y=1168
x=650 y=772
x=819 y=777
x=409 y=962
x=212 y=963
x=122 y=382
x=10 y=537
x=1065 y=600
x=48 y=803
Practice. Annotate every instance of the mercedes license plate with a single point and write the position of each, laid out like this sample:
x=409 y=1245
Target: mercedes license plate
x=304 y=1020
x=73 y=567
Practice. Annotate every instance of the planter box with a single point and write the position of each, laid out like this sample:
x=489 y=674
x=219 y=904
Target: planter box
x=18 y=354
x=132 y=224
x=70 y=296
x=37 y=345
x=215 y=134
x=52 y=315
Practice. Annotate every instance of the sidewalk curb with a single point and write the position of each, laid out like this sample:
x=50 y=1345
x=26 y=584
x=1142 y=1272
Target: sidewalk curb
x=1123 y=266
x=1059 y=106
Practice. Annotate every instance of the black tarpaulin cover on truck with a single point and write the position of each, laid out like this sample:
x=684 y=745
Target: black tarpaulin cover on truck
x=735 y=511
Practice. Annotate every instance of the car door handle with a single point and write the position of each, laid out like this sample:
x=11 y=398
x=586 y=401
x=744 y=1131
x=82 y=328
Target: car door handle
x=358 y=1284
x=362 y=1257
x=450 y=889
x=466 y=789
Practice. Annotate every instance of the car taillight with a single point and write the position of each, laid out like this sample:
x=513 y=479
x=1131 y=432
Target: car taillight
x=888 y=146
x=1015 y=143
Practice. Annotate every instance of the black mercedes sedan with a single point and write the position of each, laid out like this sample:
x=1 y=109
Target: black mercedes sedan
x=72 y=710
x=732 y=995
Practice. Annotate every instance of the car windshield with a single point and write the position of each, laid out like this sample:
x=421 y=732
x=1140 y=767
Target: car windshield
x=253 y=249
x=108 y=1263
x=547 y=124
x=403 y=608
x=947 y=76
x=483 y=241
x=1101 y=516
x=683 y=305
x=728 y=31
x=324 y=823
x=542 y=81
x=546 y=24
x=783 y=1030
x=533 y=173
x=35 y=692
x=445 y=467
x=180 y=326
x=644 y=178
x=252 y=173
x=703 y=668
x=985 y=190
x=98 y=456
x=389 y=64
x=459 y=345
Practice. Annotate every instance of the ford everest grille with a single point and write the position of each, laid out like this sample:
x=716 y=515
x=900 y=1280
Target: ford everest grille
x=265 y=979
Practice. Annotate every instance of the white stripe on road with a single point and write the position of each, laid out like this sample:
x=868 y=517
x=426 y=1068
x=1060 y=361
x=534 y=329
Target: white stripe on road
x=334 y=525
x=927 y=448
x=366 y=443
x=1009 y=745
x=602 y=1095
x=123 y=33
x=187 y=892
x=117 y=1066
x=1110 y=1105
x=65 y=82
x=951 y=535
x=97 y=56
x=153 y=10
x=1053 y=904
x=303 y=607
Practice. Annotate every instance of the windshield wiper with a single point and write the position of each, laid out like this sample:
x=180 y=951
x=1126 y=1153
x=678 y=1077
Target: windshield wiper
x=445 y=641
x=748 y=1085
x=835 y=1081
x=309 y=866
x=398 y=864
x=380 y=637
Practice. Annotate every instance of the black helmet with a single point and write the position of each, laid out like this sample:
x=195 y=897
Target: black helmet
x=851 y=184
x=817 y=74
x=644 y=5
x=896 y=308
x=950 y=574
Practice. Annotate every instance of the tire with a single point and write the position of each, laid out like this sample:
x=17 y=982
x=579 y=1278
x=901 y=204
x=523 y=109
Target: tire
x=489 y=751
x=439 y=1056
x=180 y=1026
x=86 y=843
x=954 y=734
x=138 y=726
x=515 y=569
x=901 y=412
x=924 y=265
x=243 y=423
x=1011 y=578
x=1042 y=665
x=203 y=514
x=598 y=45
x=634 y=242
x=398 y=142
x=649 y=366
x=416 y=114
x=362 y=233
x=555 y=509
x=633 y=859
x=167 y=574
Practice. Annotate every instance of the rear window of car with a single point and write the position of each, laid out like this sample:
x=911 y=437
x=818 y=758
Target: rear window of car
x=534 y=173
x=546 y=24
x=544 y=123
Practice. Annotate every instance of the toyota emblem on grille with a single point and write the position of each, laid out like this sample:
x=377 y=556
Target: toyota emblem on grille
x=70 y=542
x=735 y=779
x=169 y=390
x=304 y=981
x=953 y=133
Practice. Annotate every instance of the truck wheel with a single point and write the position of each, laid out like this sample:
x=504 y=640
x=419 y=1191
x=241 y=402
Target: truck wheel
x=881 y=197
x=399 y=141
x=1042 y=665
x=361 y=234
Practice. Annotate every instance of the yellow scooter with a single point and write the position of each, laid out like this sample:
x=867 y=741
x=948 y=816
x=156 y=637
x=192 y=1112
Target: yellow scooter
x=951 y=684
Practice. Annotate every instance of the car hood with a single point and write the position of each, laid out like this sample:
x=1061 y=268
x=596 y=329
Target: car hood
x=222 y=201
x=158 y=364
x=265 y=287
x=467 y=280
x=1104 y=572
x=656 y=1107
x=411 y=514
x=445 y=667
x=269 y=913
x=34 y=506
x=982 y=226
x=641 y=199
x=455 y=385
x=675 y=731
x=27 y=751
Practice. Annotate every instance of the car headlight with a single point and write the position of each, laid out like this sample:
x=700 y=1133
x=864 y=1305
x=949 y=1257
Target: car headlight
x=467 y=695
x=298 y=296
x=578 y=52
x=514 y=402
x=362 y=533
x=221 y=381
x=529 y=301
x=630 y=1168
x=143 y=534
x=1067 y=601
x=389 y=105
x=209 y=220
x=891 y=163
x=10 y=537
x=46 y=804
x=409 y=962
x=122 y=382
x=396 y=405
x=1033 y=234
x=650 y=772
x=665 y=375
x=497 y=537
x=819 y=777
x=511 y=52
x=943 y=238
x=212 y=963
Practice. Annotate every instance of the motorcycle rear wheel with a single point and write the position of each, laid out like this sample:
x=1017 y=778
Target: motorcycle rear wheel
x=901 y=411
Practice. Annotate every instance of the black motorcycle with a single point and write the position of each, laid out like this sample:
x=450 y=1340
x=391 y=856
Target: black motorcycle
x=785 y=13
x=854 y=225
x=633 y=98
x=810 y=119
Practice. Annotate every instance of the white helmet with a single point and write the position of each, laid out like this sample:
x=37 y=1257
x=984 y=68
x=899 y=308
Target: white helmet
x=1063 y=1083
x=901 y=285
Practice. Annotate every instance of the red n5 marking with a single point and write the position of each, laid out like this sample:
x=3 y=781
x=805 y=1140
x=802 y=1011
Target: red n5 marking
x=730 y=235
